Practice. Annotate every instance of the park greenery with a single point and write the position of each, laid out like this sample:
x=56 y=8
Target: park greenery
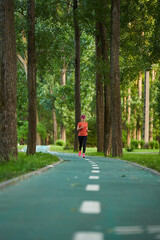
x=55 y=81
x=25 y=164
x=55 y=54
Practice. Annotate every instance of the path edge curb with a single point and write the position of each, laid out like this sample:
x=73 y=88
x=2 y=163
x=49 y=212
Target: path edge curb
x=28 y=175
x=142 y=167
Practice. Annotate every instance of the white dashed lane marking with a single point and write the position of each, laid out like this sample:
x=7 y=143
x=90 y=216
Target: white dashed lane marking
x=88 y=236
x=95 y=167
x=90 y=207
x=125 y=230
x=95 y=171
x=93 y=177
x=153 y=229
x=92 y=187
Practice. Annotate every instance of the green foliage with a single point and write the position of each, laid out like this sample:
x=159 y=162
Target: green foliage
x=60 y=142
x=147 y=160
x=41 y=130
x=153 y=144
x=158 y=95
x=68 y=147
x=134 y=144
x=22 y=132
x=141 y=142
x=139 y=50
x=129 y=149
x=25 y=164
x=156 y=144
x=124 y=137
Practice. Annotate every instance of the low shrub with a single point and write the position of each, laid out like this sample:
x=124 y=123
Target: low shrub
x=141 y=142
x=134 y=144
x=129 y=149
x=156 y=145
x=60 y=142
x=151 y=144
x=67 y=147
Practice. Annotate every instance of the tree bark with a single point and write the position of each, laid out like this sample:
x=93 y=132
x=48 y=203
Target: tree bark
x=54 y=121
x=151 y=112
x=129 y=119
x=54 y=126
x=38 y=137
x=115 y=80
x=31 y=147
x=146 y=109
x=63 y=82
x=99 y=92
x=77 y=72
x=8 y=82
x=107 y=91
x=139 y=117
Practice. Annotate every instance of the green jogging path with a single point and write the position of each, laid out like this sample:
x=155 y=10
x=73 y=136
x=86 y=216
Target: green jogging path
x=95 y=198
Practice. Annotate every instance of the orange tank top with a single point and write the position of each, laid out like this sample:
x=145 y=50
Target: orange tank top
x=83 y=131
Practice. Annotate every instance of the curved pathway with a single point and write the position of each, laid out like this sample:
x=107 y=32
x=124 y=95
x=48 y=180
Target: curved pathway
x=83 y=199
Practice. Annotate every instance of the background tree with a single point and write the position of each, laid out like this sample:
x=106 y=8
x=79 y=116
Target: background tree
x=115 y=80
x=8 y=82
x=77 y=71
x=31 y=147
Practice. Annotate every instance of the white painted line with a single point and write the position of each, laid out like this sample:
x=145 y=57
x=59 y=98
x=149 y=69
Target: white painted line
x=88 y=236
x=95 y=167
x=92 y=187
x=126 y=230
x=153 y=229
x=90 y=207
x=95 y=171
x=93 y=177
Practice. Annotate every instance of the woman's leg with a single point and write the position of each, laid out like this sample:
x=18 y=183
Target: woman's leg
x=80 y=138
x=84 y=143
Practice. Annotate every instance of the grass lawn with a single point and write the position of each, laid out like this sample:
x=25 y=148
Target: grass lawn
x=25 y=164
x=147 y=160
x=21 y=146
x=144 y=157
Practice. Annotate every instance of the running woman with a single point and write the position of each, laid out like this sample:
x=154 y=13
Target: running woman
x=82 y=136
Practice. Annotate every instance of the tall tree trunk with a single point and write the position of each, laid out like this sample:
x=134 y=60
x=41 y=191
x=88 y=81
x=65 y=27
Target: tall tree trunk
x=63 y=82
x=54 y=121
x=134 y=136
x=151 y=112
x=124 y=112
x=54 y=125
x=139 y=116
x=8 y=81
x=129 y=118
x=77 y=72
x=146 y=109
x=115 y=80
x=31 y=147
x=38 y=137
x=134 y=129
x=23 y=60
x=99 y=92
x=107 y=90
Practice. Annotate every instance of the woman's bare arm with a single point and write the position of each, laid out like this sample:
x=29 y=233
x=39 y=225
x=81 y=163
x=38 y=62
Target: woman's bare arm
x=78 y=128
